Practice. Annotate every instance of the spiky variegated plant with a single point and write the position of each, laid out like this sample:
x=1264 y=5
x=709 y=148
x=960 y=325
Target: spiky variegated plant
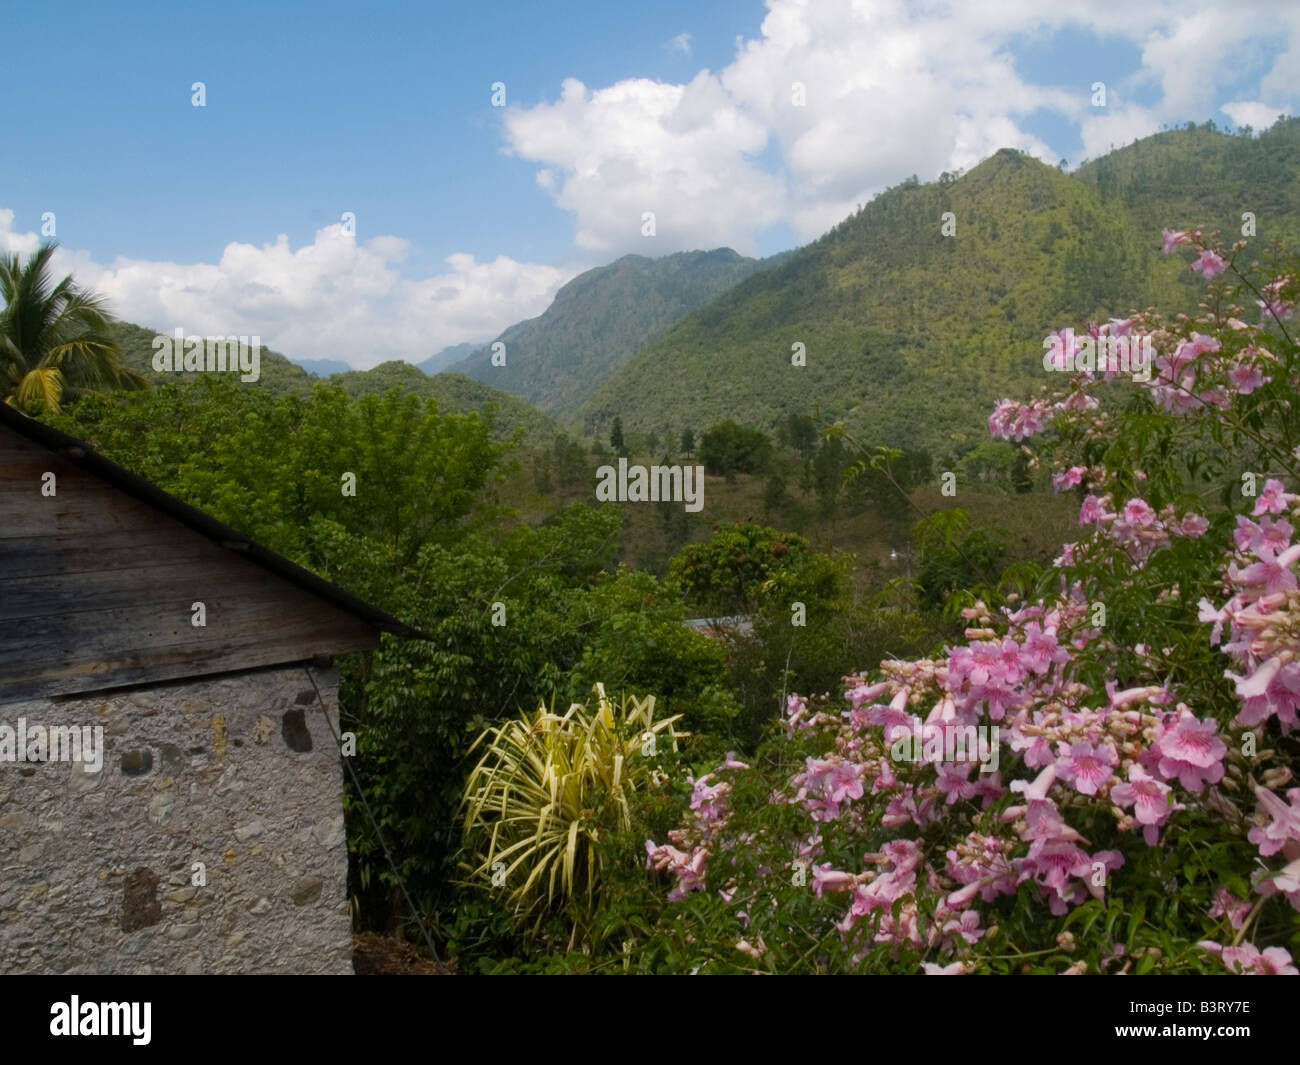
x=54 y=339
x=544 y=793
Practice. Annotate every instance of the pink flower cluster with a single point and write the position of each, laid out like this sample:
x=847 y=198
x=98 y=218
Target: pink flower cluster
x=687 y=853
x=826 y=784
x=1137 y=527
x=1016 y=421
x=1262 y=617
x=1274 y=305
x=1247 y=958
x=1279 y=832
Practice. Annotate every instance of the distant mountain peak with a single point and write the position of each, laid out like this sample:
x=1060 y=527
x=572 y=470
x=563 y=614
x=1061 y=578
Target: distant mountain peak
x=598 y=320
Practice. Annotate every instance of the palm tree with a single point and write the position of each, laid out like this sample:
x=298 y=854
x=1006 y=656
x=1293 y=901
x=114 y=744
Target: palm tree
x=54 y=339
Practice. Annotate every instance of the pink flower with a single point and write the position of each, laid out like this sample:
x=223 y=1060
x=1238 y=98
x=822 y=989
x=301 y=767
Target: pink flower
x=1069 y=478
x=1273 y=499
x=1246 y=378
x=826 y=784
x=1273 y=533
x=827 y=879
x=1200 y=344
x=1286 y=883
x=689 y=869
x=1091 y=511
x=1193 y=526
x=1249 y=959
x=1041 y=649
x=967 y=926
x=1284 y=821
x=1149 y=799
x=1015 y=421
x=1037 y=791
x=1210 y=264
x=1272 y=570
x=1120 y=699
x=709 y=802
x=865 y=693
x=1190 y=752
x=1174 y=237
x=1139 y=512
x=1226 y=904
x=953 y=780
x=1084 y=767
x=843 y=783
x=1052 y=864
x=1273 y=688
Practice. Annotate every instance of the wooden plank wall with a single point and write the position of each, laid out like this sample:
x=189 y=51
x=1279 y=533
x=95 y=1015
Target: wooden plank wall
x=96 y=590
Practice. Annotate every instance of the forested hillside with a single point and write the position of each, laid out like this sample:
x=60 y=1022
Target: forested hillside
x=1205 y=177
x=911 y=335
x=454 y=393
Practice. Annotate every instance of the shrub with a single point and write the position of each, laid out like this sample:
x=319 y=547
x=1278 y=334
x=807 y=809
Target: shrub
x=547 y=792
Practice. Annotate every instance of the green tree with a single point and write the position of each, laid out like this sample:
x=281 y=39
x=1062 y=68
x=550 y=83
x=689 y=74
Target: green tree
x=730 y=448
x=54 y=338
x=731 y=571
x=616 y=436
x=799 y=433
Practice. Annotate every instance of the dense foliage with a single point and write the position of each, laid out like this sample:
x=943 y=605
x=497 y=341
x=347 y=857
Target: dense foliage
x=1136 y=811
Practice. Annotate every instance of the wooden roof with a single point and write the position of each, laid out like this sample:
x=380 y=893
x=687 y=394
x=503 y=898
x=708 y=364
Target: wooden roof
x=98 y=581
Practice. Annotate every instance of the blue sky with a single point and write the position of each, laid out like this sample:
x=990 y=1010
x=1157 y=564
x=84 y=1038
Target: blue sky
x=227 y=215
x=313 y=110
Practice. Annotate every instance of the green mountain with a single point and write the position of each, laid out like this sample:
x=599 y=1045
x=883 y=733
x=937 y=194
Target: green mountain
x=276 y=372
x=911 y=336
x=322 y=367
x=455 y=394
x=448 y=357
x=1199 y=176
x=599 y=319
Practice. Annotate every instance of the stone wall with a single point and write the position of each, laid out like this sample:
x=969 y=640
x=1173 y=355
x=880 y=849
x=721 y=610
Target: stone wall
x=239 y=772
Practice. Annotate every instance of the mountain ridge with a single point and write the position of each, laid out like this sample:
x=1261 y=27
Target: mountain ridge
x=599 y=319
x=911 y=336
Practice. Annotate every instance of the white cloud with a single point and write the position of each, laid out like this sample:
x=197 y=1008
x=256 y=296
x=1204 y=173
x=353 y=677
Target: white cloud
x=680 y=152
x=1115 y=127
x=334 y=298
x=11 y=242
x=889 y=88
x=1259 y=116
x=681 y=43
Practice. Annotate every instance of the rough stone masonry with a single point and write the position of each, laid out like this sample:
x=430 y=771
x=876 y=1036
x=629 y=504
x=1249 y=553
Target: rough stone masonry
x=240 y=773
